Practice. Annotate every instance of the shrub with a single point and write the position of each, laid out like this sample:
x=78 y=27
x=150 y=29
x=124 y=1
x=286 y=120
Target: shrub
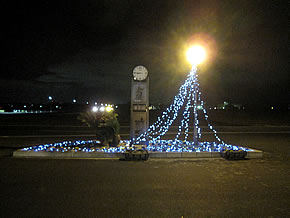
x=106 y=124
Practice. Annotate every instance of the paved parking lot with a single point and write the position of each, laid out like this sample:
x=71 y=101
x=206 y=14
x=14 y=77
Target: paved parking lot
x=155 y=188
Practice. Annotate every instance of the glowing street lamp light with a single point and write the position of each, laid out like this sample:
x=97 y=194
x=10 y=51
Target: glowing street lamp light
x=196 y=55
x=109 y=109
x=95 y=109
x=102 y=108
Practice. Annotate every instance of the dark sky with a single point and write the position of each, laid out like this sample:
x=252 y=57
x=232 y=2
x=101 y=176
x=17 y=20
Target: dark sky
x=87 y=49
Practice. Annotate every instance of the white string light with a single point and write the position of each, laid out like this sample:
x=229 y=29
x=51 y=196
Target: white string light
x=161 y=126
x=188 y=92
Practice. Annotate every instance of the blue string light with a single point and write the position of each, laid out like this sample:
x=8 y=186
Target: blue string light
x=186 y=115
x=189 y=92
x=153 y=146
x=161 y=126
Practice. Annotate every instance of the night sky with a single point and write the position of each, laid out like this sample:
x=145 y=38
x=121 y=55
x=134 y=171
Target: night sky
x=87 y=49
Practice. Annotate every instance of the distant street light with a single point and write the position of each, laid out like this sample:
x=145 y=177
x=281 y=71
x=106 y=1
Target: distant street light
x=49 y=98
x=74 y=100
x=109 y=108
x=102 y=108
x=95 y=109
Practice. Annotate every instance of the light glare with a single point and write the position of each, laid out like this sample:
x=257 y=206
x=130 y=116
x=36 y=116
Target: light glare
x=196 y=54
x=109 y=109
x=95 y=109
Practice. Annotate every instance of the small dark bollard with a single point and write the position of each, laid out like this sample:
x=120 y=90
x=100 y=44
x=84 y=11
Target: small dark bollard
x=139 y=154
x=233 y=154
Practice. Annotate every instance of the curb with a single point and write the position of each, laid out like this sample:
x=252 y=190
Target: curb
x=72 y=154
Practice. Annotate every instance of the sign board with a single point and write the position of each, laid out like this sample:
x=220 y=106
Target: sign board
x=139 y=91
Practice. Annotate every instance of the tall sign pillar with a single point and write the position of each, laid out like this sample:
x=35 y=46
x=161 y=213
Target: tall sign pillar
x=139 y=101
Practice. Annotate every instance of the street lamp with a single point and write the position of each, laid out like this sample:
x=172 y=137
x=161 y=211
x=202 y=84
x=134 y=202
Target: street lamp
x=109 y=108
x=195 y=55
x=102 y=108
x=95 y=109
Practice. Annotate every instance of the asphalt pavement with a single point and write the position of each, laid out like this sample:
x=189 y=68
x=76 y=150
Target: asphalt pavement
x=154 y=188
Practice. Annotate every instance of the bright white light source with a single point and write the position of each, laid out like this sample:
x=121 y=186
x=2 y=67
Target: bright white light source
x=95 y=109
x=196 y=54
x=49 y=98
x=199 y=107
x=109 y=108
x=102 y=109
x=74 y=101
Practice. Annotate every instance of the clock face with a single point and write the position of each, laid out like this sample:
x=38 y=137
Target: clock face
x=140 y=73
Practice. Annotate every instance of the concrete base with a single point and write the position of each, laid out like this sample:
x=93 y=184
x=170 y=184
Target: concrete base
x=69 y=154
x=254 y=154
x=73 y=154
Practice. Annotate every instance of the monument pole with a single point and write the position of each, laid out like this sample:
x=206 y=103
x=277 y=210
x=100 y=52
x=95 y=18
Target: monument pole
x=139 y=101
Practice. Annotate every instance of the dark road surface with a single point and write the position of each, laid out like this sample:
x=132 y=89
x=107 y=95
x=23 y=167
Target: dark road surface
x=155 y=188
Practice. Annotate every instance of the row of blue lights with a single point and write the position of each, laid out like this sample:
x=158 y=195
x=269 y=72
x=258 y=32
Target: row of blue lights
x=76 y=146
x=189 y=146
x=153 y=146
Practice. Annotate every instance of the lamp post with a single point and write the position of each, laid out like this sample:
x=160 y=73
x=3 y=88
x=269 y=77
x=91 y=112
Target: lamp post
x=195 y=139
x=195 y=55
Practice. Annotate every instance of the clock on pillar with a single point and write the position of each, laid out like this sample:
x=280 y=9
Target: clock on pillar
x=139 y=101
x=140 y=73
